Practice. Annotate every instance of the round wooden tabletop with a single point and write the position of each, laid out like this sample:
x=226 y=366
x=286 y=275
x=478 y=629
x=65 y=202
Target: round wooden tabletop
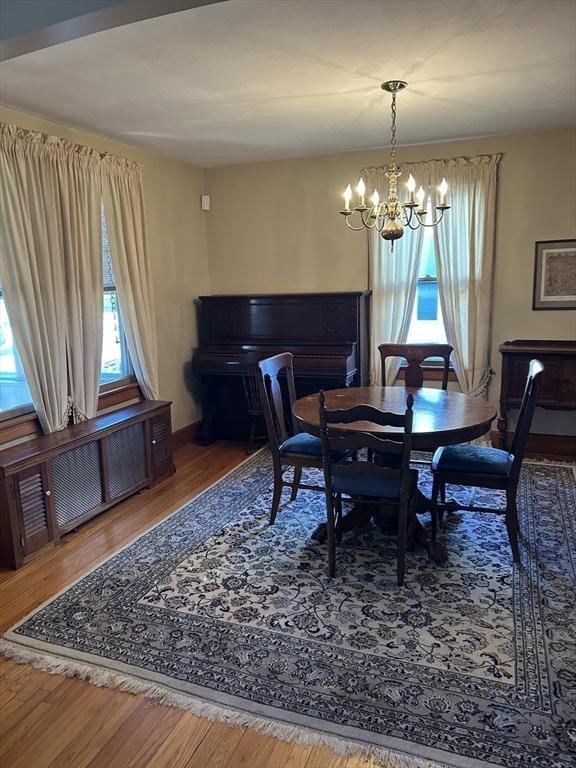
x=440 y=417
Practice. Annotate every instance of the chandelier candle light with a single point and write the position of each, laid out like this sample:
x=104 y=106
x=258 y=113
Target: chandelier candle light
x=390 y=216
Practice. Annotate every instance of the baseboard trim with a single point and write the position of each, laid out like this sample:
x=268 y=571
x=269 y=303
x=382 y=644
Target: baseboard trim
x=542 y=445
x=185 y=435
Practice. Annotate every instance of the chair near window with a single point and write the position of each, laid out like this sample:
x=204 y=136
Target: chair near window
x=364 y=481
x=477 y=466
x=300 y=450
x=415 y=355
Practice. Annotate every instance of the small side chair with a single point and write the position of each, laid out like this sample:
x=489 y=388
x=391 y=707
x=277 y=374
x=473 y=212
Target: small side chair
x=415 y=355
x=395 y=486
x=297 y=451
x=477 y=466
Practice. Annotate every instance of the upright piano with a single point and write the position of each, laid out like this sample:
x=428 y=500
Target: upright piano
x=326 y=332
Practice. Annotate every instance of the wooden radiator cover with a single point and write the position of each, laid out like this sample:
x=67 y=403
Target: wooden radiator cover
x=52 y=484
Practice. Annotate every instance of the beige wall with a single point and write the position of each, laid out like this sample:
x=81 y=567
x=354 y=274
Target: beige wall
x=177 y=238
x=274 y=226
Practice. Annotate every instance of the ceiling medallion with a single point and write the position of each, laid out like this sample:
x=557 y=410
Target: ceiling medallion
x=390 y=216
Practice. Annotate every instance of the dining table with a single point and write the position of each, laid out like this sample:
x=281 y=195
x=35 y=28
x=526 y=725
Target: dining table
x=441 y=417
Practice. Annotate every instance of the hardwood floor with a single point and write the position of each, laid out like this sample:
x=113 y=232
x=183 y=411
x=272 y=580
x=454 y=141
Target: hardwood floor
x=49 y=721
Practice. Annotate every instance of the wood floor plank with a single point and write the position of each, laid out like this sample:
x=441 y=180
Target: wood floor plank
x=50 y=721
x=321 y=757
x=181 y=742
x=138 y=738
x=298 y=757
x=216 y=747
x=106 y=711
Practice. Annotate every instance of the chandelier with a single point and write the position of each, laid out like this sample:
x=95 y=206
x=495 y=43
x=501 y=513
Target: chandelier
x=390 y=216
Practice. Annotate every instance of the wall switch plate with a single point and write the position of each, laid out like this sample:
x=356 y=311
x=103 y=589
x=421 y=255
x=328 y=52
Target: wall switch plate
x=205 y=202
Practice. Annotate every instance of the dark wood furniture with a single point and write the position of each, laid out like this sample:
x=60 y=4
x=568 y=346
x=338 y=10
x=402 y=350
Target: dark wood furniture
x=394 y=486
x=326 y=332
x=254 y=407
x=51 y=484
x=477 y=466
x=415 y=355
x=557 y=389
x=297 y=451
x=441 y=417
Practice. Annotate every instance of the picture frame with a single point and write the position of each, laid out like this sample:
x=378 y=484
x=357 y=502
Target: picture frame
x=554 y=275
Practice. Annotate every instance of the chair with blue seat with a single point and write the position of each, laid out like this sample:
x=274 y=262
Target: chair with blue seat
x=392 y=483
x=477 y=466
x=297 y=451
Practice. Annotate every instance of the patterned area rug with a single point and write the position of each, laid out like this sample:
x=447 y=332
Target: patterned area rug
x=469 y=664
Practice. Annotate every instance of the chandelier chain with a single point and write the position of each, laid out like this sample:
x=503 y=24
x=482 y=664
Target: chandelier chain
x=393 y=130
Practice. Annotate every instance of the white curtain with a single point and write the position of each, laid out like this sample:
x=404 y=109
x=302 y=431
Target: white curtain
x=32 y=267
x=465 y=256
x=79 y=187
x=393 y=277
x=123 y=199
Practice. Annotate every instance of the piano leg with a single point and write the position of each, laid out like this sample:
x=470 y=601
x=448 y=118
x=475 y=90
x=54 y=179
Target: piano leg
x=210 y=394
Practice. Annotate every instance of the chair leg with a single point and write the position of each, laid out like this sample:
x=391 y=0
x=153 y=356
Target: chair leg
x=331 y=537
x=402 y=526
x=296 y=482
x=437 y=485
x=338 y=511
x=252 y=434
x=440 y=512
x=277 y=494
x=512 y=524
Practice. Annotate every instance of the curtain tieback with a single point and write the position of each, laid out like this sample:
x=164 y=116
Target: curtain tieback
x=483 y=386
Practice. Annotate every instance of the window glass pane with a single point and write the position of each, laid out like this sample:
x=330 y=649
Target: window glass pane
x=115 y=360
x=14 y=391
x=427 y=300
x=427 y=325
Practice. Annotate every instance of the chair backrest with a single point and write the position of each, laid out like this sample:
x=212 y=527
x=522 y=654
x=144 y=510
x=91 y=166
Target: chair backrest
x=271 y=394
x=250 y=375
x=333 y=439
x=525 y=416
x=415 y=354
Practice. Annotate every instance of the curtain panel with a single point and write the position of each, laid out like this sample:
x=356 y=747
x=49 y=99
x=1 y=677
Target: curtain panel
x=464 y=246
x=393 y=277
x=123 y=198
x=46 y=197
x=465 y=256
x=51 y=192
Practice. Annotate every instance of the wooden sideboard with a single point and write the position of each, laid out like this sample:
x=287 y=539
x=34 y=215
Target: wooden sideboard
x=52 y=484
x=558 y=385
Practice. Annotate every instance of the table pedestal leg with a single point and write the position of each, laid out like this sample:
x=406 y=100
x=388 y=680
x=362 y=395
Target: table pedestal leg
x=385 y=517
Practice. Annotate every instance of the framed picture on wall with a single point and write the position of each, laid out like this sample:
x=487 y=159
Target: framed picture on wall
x=555 y=275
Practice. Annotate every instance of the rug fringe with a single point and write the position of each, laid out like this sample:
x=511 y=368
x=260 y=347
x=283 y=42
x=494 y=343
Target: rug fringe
x=301 y=735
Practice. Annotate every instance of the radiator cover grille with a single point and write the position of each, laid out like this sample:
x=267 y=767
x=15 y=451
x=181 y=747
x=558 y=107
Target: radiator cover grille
x=126 y=454
x=77 y=483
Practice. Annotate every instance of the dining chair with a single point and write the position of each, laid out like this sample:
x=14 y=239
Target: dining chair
x=478 y=466
x=363 y=481
x=297 y=451
x=415 y=355
x=250 y=375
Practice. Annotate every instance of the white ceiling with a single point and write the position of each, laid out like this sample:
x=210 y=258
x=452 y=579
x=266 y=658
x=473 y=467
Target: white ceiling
x=249 y=80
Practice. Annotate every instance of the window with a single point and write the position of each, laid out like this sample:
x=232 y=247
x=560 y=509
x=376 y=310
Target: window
x=14 y=392
x=115 y=359
x=427 y=324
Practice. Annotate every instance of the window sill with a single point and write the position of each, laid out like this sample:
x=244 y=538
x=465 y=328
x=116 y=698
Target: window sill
x=16 y=425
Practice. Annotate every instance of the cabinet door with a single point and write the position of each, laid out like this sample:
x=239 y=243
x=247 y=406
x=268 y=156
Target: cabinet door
x=160 y=448
x=34 y=500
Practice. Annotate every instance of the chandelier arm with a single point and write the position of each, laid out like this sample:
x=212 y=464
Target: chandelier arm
x=432 y=223
x=355 y=229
